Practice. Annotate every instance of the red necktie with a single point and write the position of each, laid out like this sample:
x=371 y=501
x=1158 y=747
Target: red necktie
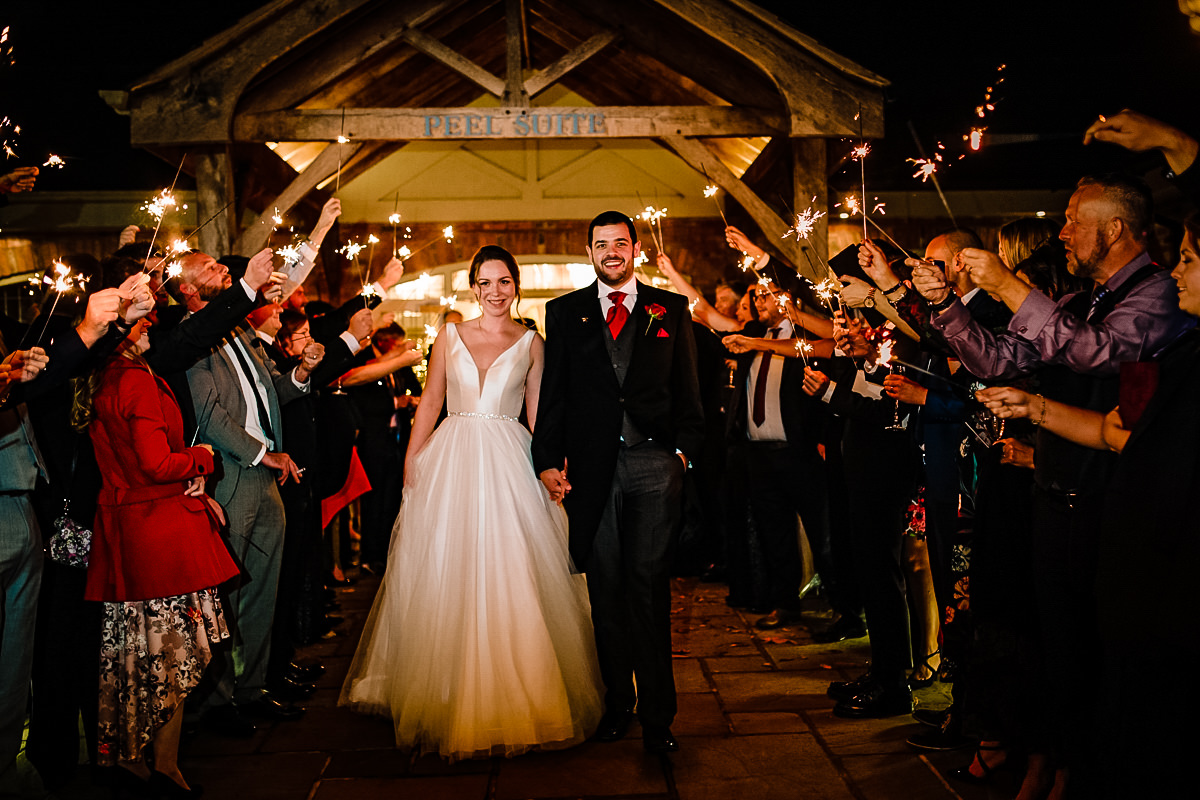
x=617 y=314
x=759 y=414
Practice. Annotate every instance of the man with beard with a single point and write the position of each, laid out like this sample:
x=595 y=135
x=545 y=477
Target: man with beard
x=1076 y=347
x=620 y=413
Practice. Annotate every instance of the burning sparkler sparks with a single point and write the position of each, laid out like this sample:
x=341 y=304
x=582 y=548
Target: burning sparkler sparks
x=157 y=206
x=404 y=252
x=711 y=190
x=6 y=49
x=351 y=250
x=653 y=217
x=54 y=161
x=448 y=302
x=925 y=168
x=448 y=233
x=805 y=223
x=394 y=219
x=431 y=332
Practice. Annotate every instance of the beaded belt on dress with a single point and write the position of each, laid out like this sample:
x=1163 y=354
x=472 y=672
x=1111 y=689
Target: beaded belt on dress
x=481 y=416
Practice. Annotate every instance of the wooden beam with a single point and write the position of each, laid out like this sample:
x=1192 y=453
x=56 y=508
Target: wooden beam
x=542 y=79
x=214 y=192
x=550 y=122
x=809 y=182
x=702 y=159
x=254 y=238
x=454 y=60
x=307 y=75
x=193 y=99
x=514 y=35
x=822 y=99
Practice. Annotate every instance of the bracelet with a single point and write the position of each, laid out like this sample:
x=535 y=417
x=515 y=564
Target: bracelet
x=946 y=302
x=1041 y=417
x=899 y=287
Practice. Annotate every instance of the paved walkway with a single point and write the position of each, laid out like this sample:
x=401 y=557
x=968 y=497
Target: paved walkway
x=753 y=722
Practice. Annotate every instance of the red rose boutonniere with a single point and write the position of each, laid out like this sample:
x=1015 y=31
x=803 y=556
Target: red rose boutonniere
x=656 y=314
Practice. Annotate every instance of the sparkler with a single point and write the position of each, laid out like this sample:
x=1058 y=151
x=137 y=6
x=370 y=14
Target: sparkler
x=6 y=49
x=395 y=220
x=859 y=154
x=430 y=332
x=341 y=140
x=805 y=223
x=158 y=205
x=653 y=217
x=405 y=253
x=54 y=161
x=62 y=282
x=711 y=191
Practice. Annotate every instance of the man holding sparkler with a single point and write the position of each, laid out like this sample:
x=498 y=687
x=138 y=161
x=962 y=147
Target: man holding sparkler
x=620 y=410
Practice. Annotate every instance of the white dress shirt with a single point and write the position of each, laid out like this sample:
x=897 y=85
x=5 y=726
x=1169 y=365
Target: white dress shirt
x=772 y=428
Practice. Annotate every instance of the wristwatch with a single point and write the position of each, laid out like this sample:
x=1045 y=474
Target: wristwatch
x=869 y=300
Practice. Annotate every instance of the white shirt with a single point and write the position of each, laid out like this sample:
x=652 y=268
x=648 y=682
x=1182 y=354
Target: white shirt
x=630 y=290
x=248 y=389
x=772 y=428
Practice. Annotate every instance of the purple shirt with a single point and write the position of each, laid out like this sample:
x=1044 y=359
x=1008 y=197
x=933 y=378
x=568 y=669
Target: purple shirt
x=1043 y=332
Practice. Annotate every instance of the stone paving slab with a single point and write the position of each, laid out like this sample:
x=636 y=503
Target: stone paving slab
x=277 y=776
x=591 y=770
x=772 y=691
x=454 y=787
x=769 y=767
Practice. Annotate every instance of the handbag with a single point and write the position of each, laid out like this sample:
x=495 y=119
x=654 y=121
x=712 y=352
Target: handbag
x=71 y=543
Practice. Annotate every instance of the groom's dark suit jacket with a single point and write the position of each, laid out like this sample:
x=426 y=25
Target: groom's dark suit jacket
x=581 y=405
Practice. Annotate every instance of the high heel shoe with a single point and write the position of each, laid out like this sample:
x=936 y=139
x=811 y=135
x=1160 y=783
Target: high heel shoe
x=164 y=786
x=921 y=683
x=965 y=775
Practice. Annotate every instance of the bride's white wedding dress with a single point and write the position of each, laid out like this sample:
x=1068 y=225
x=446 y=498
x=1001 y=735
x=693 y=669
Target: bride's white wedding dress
x=480 y=639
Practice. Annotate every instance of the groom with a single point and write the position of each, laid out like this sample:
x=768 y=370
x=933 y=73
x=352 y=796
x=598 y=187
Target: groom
x=620 y=412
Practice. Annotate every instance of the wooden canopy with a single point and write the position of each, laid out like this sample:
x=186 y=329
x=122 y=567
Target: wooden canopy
x=257 y=109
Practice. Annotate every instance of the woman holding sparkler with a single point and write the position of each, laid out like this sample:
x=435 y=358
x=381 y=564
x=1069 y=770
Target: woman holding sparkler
x=155 y=561
x=480 y=640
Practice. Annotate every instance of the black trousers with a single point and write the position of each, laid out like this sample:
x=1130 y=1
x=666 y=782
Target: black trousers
x=384 y=464
x=629 y=581
x=1066 y=538
x=783 y=482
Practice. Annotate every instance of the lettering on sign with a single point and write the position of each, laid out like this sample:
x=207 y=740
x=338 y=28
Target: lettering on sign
x=534 y=124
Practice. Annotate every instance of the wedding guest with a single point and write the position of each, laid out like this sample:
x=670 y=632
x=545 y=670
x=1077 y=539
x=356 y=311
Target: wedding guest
x=155 y=562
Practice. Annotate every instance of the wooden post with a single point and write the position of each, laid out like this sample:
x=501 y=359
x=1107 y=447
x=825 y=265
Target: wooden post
x=214 y=191
x=514 y=79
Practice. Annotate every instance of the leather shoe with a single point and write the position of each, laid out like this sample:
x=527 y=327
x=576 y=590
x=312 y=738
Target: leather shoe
x=332 y=581
x=227 y=720
x=613 y=725
x=657 y=739
x=947 y=738
x=269 y=707
x=844 y=690
x=777 y=619
x=289 y=689
x=844 y=628
x=931 y=718
x=305 y=673
x=875 y=702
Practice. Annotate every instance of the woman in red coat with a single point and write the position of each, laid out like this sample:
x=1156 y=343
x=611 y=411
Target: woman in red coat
x=155 y=561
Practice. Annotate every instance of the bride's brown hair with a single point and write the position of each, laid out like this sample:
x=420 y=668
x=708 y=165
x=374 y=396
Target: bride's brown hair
x=494 y=252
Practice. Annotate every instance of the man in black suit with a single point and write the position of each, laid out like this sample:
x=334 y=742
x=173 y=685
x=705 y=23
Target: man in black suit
x=620 y=410
x=779 y=427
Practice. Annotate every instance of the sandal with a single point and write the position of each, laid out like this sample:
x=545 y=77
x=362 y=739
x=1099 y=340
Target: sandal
x=965 y=775
x=921 y=683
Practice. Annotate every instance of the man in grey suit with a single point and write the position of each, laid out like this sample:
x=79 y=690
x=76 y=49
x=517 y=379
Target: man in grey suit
x=237 y=393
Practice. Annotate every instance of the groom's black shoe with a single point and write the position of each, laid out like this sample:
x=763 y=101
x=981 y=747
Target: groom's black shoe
x=658 y=739
x=614 y=725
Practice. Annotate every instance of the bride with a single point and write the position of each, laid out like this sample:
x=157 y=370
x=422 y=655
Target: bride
x=480 y=640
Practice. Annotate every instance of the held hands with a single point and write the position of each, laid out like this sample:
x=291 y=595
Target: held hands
x=284 y=464
x=738 y=344
x=854 y=291
x=329 y=214
x=905 y=390
x=665 y=265
x=929 y=280
x=1016 y=453
x=1138 y=132
x=875 y=264
x=815 y=382
x=848 y=336
x=556 y=483
x=195 y=487
x=102 y=309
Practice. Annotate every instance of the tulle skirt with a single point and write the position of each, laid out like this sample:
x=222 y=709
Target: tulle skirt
x=480 y=640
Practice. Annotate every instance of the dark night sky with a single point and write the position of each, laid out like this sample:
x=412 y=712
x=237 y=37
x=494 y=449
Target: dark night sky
x=1067 y=62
